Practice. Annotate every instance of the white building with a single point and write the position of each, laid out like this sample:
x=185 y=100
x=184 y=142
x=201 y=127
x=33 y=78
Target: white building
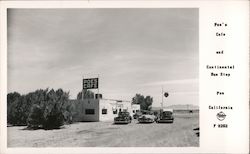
x=101 y=109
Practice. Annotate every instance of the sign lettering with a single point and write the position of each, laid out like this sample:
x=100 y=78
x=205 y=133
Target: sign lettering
x=91 y=83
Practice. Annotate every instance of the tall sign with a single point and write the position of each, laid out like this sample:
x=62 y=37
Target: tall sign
x=91 y=83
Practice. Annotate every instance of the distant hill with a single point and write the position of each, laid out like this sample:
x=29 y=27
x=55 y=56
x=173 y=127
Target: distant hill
x=179 y=107
x=183 y=107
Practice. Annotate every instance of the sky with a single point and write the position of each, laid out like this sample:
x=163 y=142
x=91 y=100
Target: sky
x=132 y=51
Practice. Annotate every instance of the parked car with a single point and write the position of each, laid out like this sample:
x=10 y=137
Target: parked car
x=123 y=118
x=166 y=115
x=146 y=118
x=137 y=115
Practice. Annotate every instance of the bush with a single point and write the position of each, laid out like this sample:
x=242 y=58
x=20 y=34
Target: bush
x=52 y=110
x=35 y=118
x=68 y=113
x=17 y=109
x=54 y=121
x=42 y=108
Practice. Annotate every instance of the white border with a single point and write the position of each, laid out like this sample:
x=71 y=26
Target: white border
x=208 y=11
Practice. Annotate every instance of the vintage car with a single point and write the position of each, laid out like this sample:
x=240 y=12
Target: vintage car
x=123 y=118
x=166 y=115
x=146 y=118
x=137 y=115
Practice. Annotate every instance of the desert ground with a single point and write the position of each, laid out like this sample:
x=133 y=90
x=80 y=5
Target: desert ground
x=182 y=133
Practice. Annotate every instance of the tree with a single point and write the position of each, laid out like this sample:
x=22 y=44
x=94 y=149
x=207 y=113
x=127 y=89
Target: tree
x=145 y=102
x=87 y=95
x=43 y=108
x=12 y=102
x=54 y=109
x=11 y=97
x=49 y=110
x=138 y=99
x=17 y=109
x=35 y=119
x=148 y=102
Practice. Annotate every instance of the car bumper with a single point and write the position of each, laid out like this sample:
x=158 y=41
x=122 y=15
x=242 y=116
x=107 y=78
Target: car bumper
x=166 y=120
x=146 y=121
x=121 y=122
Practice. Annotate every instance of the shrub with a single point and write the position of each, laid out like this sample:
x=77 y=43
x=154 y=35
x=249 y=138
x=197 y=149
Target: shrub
x=17 y=109
x=35 y=118
x=68 y=113
x=43 y=108
x=51 y=109
x=54 y=120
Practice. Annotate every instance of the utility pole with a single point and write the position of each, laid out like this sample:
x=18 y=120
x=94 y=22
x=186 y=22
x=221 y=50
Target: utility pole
x=162 y=97
x=82 y=87
x=98 y=87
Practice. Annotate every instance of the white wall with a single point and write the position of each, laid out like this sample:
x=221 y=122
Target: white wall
x=135 y=107
x=112 y=105
x=82 y=105
x=98 y=106
x=106 y=104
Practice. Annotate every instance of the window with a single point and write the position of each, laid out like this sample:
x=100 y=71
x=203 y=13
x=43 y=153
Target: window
x=89 y=111
x=133 y=111
x=104 y=111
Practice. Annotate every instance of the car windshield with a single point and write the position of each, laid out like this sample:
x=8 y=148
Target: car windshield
x=121 y=114
x=167 y=113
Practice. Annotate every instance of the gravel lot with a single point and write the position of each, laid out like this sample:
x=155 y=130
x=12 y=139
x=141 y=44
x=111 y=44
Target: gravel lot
x=107 y=134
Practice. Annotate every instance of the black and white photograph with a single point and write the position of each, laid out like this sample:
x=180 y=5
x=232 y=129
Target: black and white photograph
x=103 y=77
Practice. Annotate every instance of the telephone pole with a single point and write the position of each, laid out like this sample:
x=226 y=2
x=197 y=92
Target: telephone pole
x=162 y=97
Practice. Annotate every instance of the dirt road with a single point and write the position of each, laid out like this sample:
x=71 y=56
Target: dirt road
x=106 y=134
